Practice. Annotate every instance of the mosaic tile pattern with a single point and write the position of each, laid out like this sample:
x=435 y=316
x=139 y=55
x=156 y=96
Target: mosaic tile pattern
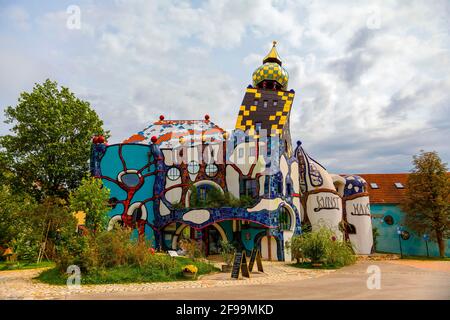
x=354 y=185
x=174 y=133
x=264 y=109
x=271 y=71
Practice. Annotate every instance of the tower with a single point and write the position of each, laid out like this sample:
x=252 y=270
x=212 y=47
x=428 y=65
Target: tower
x=267 y=104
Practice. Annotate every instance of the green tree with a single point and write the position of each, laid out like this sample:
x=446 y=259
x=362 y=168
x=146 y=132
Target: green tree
x=49 y=149
x=33 y=229
x=92 y=198
x=427 y=202
x=14 y=209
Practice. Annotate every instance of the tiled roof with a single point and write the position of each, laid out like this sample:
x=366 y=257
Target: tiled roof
x=387 y=192
x=169 y=133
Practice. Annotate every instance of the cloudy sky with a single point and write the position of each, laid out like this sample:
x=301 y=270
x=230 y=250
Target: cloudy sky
x=372 y=81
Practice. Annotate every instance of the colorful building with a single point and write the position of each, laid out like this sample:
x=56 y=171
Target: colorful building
x=251 y=186
x=387 y=191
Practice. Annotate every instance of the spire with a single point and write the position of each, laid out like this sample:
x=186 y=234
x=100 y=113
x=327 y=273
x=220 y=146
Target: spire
x=273 y=56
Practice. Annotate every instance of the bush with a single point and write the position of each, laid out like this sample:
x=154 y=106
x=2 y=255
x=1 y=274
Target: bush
x=227 y=250
x=217 y=199
x=193 y=248
x=322 y=246
x=112 y=257
x=92 y=198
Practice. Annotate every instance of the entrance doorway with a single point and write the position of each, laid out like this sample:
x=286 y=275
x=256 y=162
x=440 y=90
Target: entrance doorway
x=209 y=236
x=269 y=248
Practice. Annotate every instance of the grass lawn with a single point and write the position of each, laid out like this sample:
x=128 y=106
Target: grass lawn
x=308 y=265
x=130 y=274
x=20 y=265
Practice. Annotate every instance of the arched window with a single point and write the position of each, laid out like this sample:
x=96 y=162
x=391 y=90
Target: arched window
x=285 y=222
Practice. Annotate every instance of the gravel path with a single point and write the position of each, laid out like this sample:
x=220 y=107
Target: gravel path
x=19 y=284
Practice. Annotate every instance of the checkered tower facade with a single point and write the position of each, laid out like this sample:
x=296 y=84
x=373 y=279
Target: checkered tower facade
x=265 y=109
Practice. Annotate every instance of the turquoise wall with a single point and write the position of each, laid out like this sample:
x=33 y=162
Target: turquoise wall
x=135 y=156
x=388 y=240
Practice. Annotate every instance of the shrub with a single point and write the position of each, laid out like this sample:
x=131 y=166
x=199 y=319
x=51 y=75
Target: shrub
x=92 y=198
x=218 y=199
x=227 y=251
x=193 y=248
x=322 y=246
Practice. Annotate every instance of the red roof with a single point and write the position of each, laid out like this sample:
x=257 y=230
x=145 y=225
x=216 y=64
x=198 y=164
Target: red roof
x=387 y=192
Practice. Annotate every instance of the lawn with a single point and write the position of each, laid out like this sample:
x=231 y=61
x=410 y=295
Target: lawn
x=20 y=265
x=131 y=274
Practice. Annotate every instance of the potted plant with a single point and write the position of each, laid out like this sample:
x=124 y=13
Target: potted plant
x=190 y=271
x=227 y=252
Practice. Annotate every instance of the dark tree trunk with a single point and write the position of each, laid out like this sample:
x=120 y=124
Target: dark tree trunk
x=441 y=243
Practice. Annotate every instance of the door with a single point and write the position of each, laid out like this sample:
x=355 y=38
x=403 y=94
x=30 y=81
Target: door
x=269 y=248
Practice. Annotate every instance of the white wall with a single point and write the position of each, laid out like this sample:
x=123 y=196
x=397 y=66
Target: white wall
x=358 y=214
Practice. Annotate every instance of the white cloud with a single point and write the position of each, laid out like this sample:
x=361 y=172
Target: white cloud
x=371 y=82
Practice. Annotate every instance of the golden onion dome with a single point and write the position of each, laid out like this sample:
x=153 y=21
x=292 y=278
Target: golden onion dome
x=271 y=70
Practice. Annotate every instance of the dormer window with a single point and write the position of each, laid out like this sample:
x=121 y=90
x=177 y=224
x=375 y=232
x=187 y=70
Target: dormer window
x=373 y=185
x=398 y=185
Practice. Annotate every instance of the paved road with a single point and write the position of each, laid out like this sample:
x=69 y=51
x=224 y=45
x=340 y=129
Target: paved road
x=398 y=281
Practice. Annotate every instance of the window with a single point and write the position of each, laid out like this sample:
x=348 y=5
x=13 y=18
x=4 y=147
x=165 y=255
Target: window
x=258 y=127
x=288 y=189
x=373 y=185
x=398 y=185
x=275 y=103
x=247 y=187
x=173 y=173
x=389 y=220
x=285 y=219
x=130 y=179
x=351 y=229
x=279 y=186
x=202 y=192
x=255 y=102
x=252 y=151
x=193 y=167
x=211 y=170
x=241 y=152
x=265 y=103
x=137 y=214
x=405 y=235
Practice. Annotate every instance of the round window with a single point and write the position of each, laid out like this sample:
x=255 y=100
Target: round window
x=173 y=174
x=193 y=167
x=405 y=235
x=389 y=220
x=211 y=170
x=130 y=179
